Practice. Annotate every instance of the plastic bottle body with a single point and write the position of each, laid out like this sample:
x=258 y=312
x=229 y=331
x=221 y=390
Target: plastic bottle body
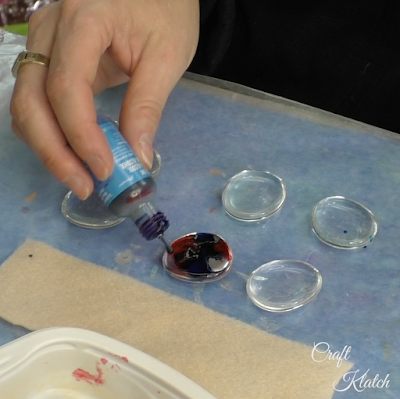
x=130 y=191
x=127 y=202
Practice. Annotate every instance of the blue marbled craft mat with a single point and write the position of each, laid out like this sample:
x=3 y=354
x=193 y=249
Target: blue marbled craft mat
x=206 y=136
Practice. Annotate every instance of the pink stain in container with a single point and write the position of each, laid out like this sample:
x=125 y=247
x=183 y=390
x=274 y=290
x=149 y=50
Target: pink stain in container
x=124 y=358
x=115 y=367
x=83 y=375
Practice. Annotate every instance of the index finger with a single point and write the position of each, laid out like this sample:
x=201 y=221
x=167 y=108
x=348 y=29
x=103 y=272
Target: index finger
x=76 y=54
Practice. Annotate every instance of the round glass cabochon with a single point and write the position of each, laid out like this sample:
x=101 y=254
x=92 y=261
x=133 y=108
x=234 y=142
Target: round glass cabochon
x=253 y=195
x=343 y=223
x=92 y=213
x=283 y=285
x=198 y=258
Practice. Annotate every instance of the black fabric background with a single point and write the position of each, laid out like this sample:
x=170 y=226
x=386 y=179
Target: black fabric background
x=342 y=56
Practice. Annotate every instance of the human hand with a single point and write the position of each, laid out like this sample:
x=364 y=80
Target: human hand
x=93 y=45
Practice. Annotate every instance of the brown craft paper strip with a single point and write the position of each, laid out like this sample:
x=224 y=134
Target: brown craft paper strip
x=225 y=356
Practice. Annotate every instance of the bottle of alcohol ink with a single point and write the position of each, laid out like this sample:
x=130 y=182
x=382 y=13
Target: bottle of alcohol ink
x=130 y=190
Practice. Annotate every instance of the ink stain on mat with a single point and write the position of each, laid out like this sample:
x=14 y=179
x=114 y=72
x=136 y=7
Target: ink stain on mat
x=227 y=285
x=154 y=271
x=231 y=287
x=268 y=325
x=198 y=290
x=31 y=197
x=159 y=251
x=25 y=209
x=387 y=350
x=126 y=257
x=216 y=172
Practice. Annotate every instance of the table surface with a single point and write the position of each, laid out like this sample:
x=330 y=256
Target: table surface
x=211 y=130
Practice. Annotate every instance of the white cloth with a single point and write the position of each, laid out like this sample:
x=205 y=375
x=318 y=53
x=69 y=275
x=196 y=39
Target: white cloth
x=10 y=46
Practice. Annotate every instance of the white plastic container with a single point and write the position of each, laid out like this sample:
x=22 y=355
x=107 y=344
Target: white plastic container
x=71 y=363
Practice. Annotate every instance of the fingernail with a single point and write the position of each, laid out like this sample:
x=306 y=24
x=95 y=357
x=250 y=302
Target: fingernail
x=146 y=154
x=77 y=184
x=98 y=167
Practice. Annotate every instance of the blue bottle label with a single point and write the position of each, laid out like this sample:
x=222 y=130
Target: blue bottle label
x=128 y=169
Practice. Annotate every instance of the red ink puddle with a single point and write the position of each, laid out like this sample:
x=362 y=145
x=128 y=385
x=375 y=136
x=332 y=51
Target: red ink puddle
x=83 y=375
x=103 y=360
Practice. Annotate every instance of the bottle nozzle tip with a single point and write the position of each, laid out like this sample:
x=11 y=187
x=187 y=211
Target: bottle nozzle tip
x=167 y=246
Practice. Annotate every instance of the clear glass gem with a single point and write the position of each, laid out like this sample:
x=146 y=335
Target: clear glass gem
x=253 y=195
x=283 y=285
x=343 y=223
x=92 y=213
